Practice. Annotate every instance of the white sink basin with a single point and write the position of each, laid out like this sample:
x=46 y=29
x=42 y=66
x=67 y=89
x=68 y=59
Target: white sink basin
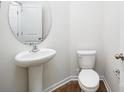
x=27 y=58
x=34 y=61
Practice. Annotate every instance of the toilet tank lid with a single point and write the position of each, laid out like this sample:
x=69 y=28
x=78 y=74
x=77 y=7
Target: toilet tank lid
x=86 y=52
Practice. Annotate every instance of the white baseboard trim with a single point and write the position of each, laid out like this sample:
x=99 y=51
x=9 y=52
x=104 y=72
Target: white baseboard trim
x=70 y=78
x=58 y=84
x=106 y=84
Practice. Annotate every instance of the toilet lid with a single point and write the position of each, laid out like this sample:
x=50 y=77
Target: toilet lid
x=89 y=78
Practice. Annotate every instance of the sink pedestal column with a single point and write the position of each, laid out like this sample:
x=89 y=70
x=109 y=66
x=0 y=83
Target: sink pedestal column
x=35 y=78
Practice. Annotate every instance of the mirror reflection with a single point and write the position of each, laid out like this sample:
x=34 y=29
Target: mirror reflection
x=30 y=21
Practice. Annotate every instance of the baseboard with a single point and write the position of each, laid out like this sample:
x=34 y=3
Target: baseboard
x=106 y=84
x=58 y=84
x=70 y=78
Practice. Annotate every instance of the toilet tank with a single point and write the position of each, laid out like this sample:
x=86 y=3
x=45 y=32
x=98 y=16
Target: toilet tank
x=86 y=58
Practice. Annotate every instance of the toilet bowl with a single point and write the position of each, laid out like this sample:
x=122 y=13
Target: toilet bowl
x=88 y=80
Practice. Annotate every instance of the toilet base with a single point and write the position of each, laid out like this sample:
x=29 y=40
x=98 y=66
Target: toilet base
x=83 y=89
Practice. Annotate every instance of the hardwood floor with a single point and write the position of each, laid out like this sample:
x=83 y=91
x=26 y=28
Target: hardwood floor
x=73 y=86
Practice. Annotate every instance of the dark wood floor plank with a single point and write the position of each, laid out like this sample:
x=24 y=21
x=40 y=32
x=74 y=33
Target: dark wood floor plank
x=73 y=86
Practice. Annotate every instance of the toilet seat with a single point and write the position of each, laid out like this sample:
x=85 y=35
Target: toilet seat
x=88 y=79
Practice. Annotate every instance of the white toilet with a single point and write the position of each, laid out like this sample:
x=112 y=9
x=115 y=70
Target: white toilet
x=88 y=79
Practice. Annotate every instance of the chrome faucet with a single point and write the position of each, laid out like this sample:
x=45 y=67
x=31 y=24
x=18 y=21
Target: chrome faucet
x=35 y=47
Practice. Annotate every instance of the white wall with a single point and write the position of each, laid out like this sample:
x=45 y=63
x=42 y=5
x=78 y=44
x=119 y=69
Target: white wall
x=58 y=39
x=111 y=42
x=13 y=78
x=86 y=31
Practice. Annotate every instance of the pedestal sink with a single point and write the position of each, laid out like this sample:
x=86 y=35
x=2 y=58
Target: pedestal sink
x=34 y=61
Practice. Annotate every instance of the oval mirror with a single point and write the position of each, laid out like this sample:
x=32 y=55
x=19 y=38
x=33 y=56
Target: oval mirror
x=30 y=21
